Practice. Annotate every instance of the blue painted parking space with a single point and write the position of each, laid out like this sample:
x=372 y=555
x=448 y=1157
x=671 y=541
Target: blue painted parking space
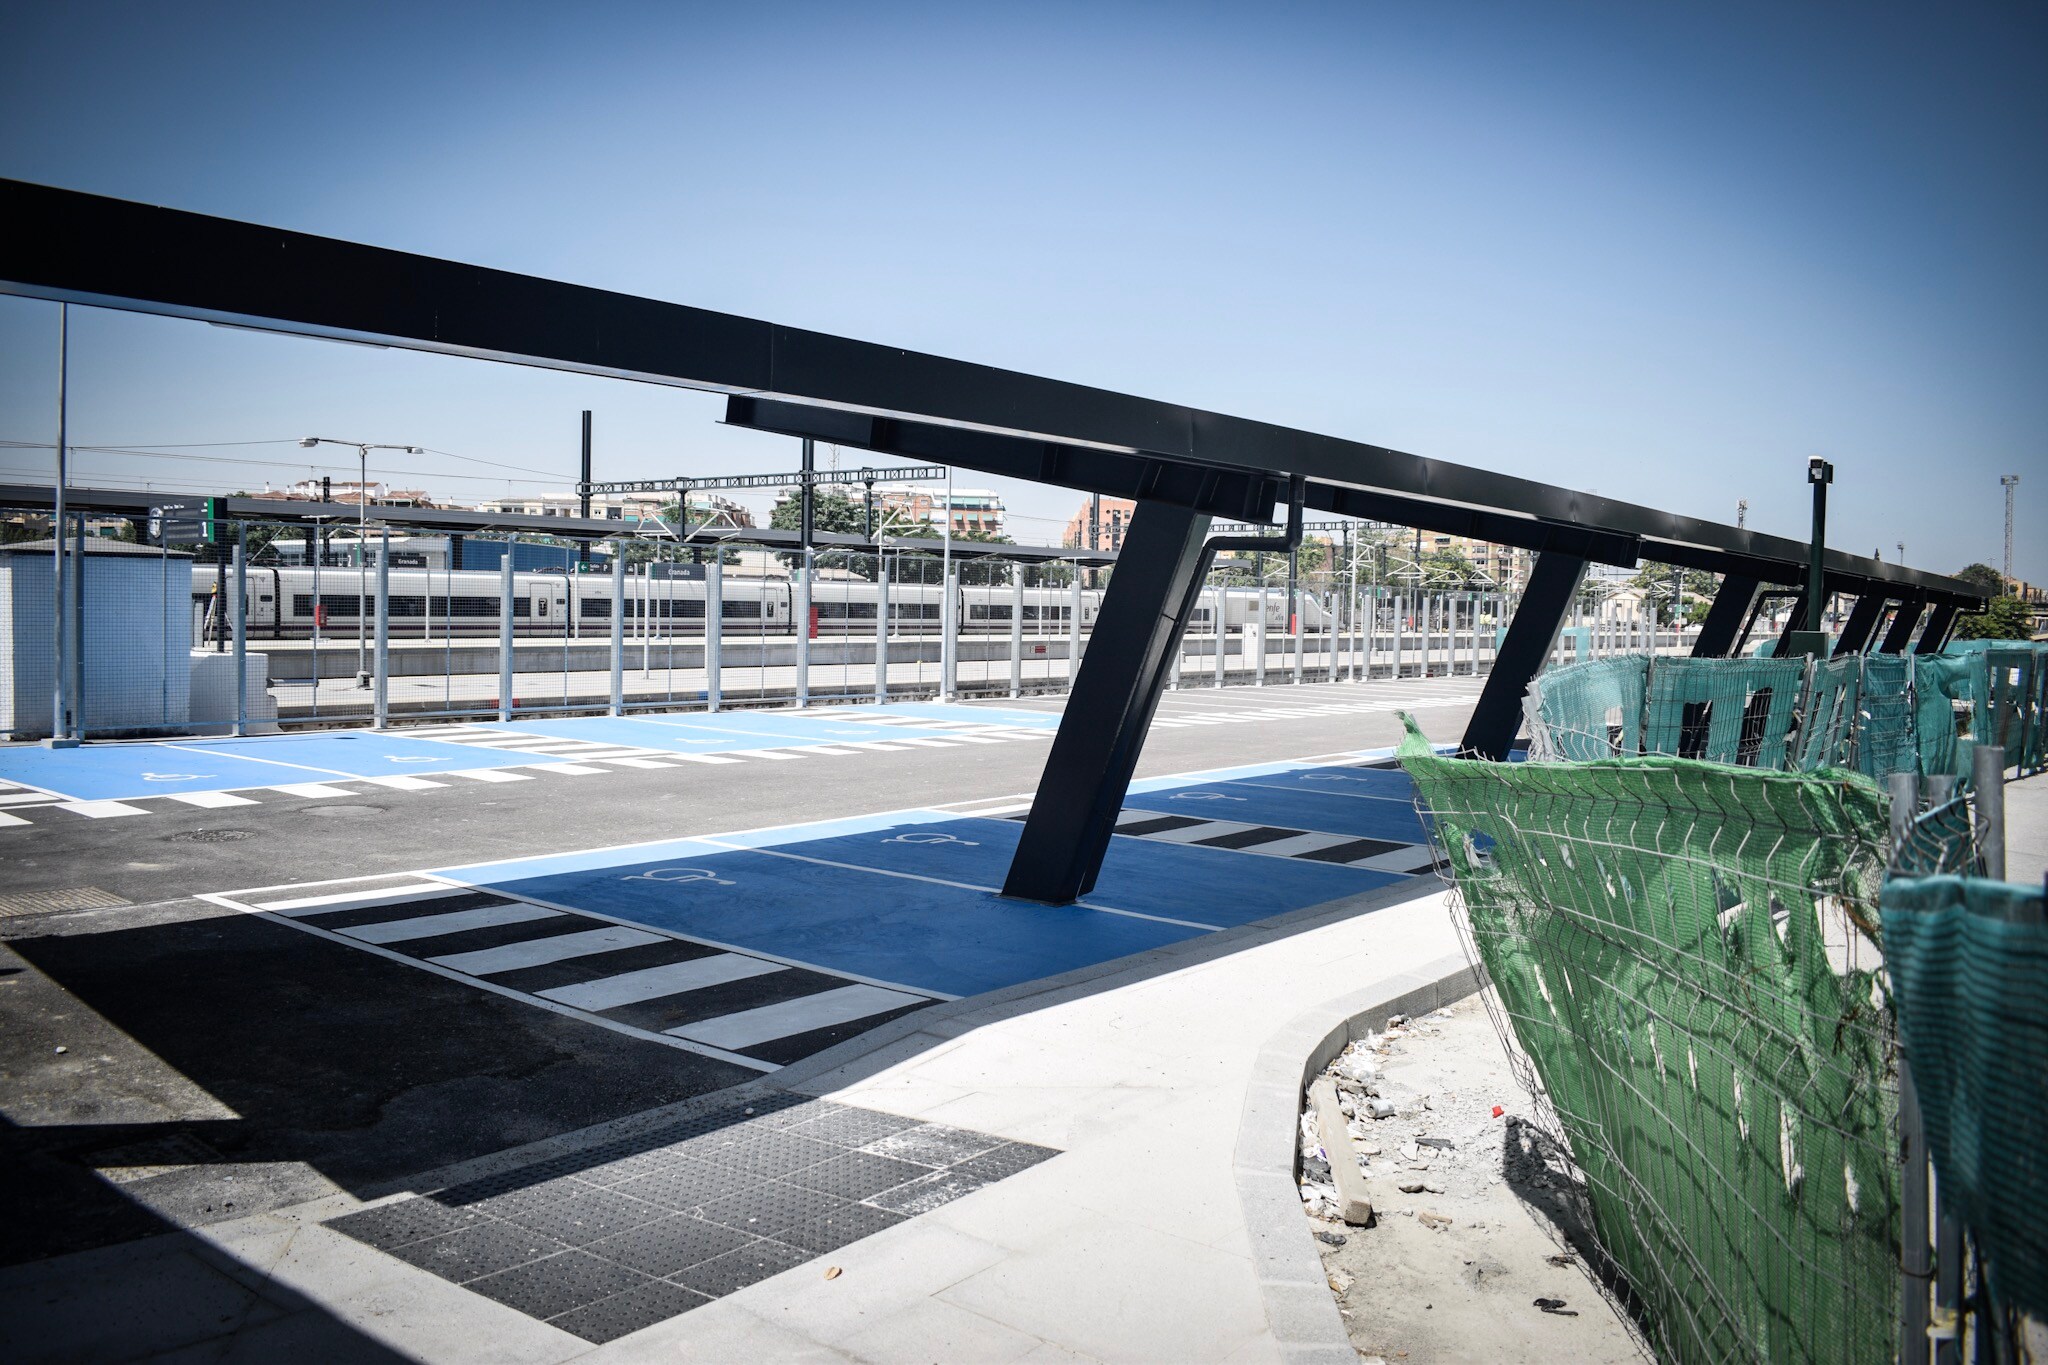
x=1297 y=805
x=890 y=930
x=117 y=772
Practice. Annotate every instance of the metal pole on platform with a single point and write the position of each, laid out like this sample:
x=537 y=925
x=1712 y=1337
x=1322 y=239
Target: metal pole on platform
x=239 y=605
x=62 y=731
x=802 y=623
x=881 y=626
x=381 y=697
x=1259 y=668
x=506 y=647
x=714 y=628
x=949 y=637
x=618 y=628
x=1017 y=633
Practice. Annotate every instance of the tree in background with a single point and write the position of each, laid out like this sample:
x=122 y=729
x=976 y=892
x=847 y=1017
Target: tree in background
x=1653 y=580
x=2005 y=618
x=1984 y=579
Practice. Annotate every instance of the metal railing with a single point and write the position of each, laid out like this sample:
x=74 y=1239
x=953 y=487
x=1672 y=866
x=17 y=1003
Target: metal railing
x=274 y=626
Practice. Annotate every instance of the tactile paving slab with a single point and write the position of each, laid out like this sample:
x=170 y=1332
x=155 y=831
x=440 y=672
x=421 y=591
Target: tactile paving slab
x=622 y=1236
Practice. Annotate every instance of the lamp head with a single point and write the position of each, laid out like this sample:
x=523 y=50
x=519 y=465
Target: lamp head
x=1819 y=471
x=309 y=441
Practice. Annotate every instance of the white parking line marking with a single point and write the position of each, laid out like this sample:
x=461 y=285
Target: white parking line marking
x=486 y=775
x=312 y=791
x=100 y=810
x=541 y=951
x=565 y=769
x=211 y=800
x=405 y=784
x=454 y=922
x=6 y=819
x=705 y=758
x=769 y=1022
x=654 y=982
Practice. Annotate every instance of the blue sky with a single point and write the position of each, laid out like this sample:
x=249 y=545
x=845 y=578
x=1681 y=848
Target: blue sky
x=1664 y=252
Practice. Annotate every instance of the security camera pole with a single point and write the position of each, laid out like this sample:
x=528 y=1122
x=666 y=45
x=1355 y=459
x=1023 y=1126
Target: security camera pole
x=1812 y=637
x=363 y=450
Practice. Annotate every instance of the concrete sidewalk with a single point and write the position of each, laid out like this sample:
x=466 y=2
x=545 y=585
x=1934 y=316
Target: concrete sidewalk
x=2026 y=830
x=1133 y=1244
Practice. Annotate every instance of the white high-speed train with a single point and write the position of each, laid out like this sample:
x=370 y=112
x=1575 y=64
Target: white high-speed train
x=289 y=602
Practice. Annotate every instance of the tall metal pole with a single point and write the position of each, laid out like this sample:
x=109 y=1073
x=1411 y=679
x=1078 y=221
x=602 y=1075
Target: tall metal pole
x=380 y=699
x=362 y=564
x=806 y=513
x=506 y=647
x=238 y=602
x=583 y=553
x=61 y=736
x=2008 y=482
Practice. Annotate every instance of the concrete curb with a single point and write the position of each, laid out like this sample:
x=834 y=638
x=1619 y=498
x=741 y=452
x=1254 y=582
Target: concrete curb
x=1300 y=1308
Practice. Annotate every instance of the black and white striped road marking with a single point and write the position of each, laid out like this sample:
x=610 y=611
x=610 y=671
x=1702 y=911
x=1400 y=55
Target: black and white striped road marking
x=756 y=1011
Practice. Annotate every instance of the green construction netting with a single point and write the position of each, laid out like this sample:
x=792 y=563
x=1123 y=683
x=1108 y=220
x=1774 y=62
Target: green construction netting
x=1968 y=961
x=1591 y=710
x=1877 y=713
x=1939 y=682
x=1723 y=710
x=1684 y=953
x=1885 y=742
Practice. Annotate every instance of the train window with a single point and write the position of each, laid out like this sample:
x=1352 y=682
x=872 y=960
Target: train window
x=914 y=611
x=842 y=611
x=599 y=607
x=740 y=609
x=989 y=613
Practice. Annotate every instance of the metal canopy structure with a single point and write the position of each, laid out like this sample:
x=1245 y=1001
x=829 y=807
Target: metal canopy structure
x=1182 y=465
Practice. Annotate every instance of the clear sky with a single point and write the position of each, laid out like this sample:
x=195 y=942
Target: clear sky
x=1665 y=252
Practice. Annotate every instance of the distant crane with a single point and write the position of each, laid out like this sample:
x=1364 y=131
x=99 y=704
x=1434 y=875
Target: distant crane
x=1741 y=513
x=2010 y=481
x=1902 y=552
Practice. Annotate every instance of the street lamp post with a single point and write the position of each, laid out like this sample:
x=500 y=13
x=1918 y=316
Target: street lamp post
x=363 y=449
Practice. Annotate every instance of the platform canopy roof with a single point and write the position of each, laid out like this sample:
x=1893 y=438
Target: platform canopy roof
x=113 y=253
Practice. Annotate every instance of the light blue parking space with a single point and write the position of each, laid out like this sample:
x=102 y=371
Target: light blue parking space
x=119 y=772
x=732 y=730
x=1263 y=801
x=940 y=710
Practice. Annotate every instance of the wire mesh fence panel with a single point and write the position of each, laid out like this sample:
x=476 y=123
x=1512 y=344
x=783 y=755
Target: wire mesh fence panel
x=1966 y=958
x=1686 y=966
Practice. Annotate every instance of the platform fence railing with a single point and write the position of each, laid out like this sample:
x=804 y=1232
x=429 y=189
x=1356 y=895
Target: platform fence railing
x=264 y=625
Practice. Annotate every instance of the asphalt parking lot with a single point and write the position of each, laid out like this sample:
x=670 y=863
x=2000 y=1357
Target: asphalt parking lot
x=197 y=1041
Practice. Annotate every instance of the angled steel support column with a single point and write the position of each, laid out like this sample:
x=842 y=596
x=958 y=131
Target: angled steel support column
x=1725 y=618
x=1137 y=629
x=1935 y=636
x=1863 y=619
x=1553 y=582
x=1903 y=620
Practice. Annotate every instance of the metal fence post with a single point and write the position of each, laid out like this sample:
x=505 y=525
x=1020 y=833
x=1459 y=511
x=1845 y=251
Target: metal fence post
x=1294 y=633
x=1400 y=630
x=1017 y=635
x=949 y=639
x=1259 y=668
x=1074 y=632
x=618 y=628
x=1987 y=774
x=881 y=627
x=714 y=628
x=1216 y=618
x=505 y=636
x=803 y=628
x=381 y=696
x=240 y=617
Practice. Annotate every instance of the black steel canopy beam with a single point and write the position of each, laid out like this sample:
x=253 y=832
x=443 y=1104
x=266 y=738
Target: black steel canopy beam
x=1553 y=582
x=1863 y=619
x=1176 y=483
x=113 y=253
x=1727 y=618
x=1901 y=633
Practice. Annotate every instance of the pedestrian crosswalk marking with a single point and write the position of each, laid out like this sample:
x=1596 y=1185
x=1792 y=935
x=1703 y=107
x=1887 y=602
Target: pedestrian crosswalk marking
x=653 y=983
x=384 y=915
x=751 y=1028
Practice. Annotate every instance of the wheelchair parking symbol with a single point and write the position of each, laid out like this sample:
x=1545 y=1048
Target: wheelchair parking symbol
x=930 y=837
x=1205 y=796
x=681 y=876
